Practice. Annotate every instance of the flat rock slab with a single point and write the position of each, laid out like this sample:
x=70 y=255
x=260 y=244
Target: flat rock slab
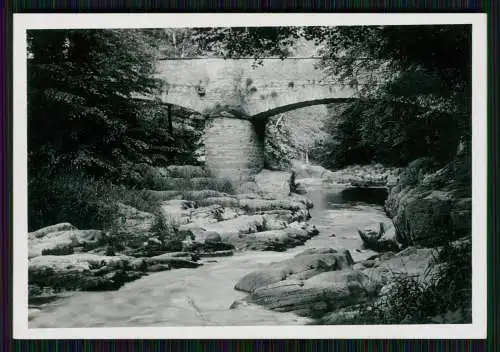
x=234 y=227
x=303 y=266
x=273 y=240
x=66 y=238
x=65 y=226
x=257 y=205
x=317 y=295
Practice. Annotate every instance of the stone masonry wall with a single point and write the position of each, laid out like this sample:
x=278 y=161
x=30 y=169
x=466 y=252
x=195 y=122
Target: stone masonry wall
x=233 y=148
x=254 y=89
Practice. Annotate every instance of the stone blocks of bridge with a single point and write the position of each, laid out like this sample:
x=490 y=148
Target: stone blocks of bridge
x=234 y=148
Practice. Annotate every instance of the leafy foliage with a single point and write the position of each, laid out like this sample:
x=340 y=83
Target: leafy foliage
x=180 y=42
x=256 y=42
x=277 y=145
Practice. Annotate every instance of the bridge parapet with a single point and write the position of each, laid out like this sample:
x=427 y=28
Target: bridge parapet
x=209 y=85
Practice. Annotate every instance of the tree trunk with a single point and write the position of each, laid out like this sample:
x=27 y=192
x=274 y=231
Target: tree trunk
x=169 y=114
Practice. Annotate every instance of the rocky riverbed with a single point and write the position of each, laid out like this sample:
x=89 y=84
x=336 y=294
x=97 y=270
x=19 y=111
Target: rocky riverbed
x=246 y=259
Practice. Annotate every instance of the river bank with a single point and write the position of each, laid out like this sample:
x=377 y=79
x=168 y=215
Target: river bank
x=202 y=296
x=214 y=293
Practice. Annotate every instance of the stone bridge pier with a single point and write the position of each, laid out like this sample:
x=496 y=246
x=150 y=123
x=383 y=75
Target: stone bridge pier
x=234 y=148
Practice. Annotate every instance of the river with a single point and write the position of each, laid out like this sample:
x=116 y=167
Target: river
x=202 y=296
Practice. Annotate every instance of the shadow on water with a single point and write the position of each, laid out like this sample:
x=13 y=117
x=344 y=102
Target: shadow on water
x=353 y=196
x=340 y=197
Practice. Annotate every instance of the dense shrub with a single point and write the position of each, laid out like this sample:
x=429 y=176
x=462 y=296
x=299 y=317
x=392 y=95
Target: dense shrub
x=68 y=196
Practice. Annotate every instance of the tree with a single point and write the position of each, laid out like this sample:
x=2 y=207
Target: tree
x=80 y=106
x=87 y=132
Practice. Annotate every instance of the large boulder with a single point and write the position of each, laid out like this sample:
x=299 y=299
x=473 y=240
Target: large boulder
x=382 y=239
x=301 y=267
x=318 y=295
x=431 y=206
x=274 y=182
x=425 y=220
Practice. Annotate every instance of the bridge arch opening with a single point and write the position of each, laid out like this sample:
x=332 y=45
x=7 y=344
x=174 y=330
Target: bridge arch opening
x=298 y=105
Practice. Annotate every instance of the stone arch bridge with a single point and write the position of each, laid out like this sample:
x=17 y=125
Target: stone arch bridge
x=237 y=97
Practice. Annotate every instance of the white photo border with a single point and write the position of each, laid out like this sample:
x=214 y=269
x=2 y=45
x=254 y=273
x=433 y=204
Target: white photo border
x=476 y=330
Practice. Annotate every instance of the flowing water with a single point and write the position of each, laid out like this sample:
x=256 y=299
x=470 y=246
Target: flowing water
x=202 y=296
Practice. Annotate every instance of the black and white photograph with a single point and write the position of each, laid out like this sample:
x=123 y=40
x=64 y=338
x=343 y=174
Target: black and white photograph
x=250 y=177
